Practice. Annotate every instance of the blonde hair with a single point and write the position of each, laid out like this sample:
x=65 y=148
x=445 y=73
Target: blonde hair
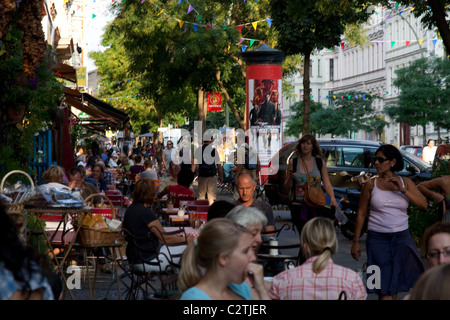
x=53 y=174
x=219 y=236
x=319 y=236
x=433 y=284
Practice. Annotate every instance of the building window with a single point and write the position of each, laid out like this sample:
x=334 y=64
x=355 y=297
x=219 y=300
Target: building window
x=331 y=69
x=330 y=98
x=318 y=69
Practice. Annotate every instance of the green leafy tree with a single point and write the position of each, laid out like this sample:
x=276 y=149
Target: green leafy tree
x=303 y=26
x=351 y=112
x=294 y=124
x=424 y=96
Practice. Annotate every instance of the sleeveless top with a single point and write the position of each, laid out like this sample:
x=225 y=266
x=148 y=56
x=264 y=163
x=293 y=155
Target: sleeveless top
x=300 y=179
x=388 y=210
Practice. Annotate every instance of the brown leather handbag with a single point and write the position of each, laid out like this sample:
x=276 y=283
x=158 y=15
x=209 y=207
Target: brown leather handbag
x=314 y=196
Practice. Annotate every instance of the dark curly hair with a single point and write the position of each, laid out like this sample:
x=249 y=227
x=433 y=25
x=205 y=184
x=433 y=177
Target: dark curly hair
x=391 y=152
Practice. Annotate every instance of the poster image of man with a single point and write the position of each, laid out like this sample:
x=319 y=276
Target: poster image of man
x=267 y=111
x=264 y=117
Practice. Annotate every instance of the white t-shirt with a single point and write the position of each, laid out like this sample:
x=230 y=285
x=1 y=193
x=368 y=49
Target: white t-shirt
x=428 y=154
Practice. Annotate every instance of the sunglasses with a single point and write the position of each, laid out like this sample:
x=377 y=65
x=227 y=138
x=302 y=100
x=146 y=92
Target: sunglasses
x=380 y=159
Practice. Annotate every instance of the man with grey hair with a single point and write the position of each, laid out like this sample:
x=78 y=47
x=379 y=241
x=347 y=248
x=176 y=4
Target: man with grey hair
x=246 y=185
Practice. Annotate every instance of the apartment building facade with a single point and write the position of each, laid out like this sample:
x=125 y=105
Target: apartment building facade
x=395 y=39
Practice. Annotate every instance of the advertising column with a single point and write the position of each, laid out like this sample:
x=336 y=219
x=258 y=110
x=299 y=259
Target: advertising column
x=264 y=102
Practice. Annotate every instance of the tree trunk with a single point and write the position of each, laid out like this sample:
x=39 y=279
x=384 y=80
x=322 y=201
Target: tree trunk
x=424 y=139
x=441 y=23
x=160 y=134
x=306 y=92
x=224 y=91
x=201 y=107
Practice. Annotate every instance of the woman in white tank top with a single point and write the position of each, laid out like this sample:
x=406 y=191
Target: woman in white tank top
x=389 y=244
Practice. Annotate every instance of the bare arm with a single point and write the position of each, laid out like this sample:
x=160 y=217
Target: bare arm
x=169 y=238
x=427 y=186
x=327 y=184
x=361 y=217
x=290 y=176
x=410 y=190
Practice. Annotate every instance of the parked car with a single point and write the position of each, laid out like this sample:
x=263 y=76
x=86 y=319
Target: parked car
x=345 y=158
x=415 y=150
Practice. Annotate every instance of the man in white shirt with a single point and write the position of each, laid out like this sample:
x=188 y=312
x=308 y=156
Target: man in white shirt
x=429 y=151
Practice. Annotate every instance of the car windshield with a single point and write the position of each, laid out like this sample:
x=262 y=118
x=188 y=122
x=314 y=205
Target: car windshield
x=416 y=160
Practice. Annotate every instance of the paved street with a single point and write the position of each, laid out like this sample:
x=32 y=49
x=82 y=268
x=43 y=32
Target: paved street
x=108 y=290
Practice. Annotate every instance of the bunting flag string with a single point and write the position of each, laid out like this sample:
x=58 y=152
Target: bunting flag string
x=196 y=25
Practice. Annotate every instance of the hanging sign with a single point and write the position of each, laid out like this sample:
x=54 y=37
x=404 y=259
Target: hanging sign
x=214 y=102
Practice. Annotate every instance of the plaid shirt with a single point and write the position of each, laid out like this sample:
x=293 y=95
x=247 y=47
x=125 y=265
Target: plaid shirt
x=301 y=283
x=109 y=177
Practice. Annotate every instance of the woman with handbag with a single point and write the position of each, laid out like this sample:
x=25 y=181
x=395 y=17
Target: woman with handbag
x=306 y=172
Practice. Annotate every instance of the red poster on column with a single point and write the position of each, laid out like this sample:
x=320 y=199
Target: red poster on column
x=214 y=102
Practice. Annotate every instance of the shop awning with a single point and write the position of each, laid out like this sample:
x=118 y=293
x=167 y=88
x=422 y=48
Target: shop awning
x=102 y=115
x=66 y=72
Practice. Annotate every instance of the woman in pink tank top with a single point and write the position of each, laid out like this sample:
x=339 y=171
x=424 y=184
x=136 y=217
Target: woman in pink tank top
x=389 y=244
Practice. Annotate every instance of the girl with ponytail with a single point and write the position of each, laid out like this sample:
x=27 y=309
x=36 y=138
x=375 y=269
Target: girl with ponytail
x=318 y=278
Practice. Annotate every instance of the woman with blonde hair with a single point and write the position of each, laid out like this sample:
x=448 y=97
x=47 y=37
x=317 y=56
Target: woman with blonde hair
x=318 y=278
x=434 y=284
x=54 y=177
x=217 y=263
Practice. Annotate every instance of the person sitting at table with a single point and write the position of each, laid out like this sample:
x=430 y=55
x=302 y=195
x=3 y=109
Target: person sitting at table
x=149 y=171
x=172 y=178
x=109 y=177
x=219 y=209
x=139 y=219
x=77 y=180
x=318 y=278
x=216 y=264
x=98 y=173
x=180 y=190
x=54 y=178
x=137 y=167
x=21 y=276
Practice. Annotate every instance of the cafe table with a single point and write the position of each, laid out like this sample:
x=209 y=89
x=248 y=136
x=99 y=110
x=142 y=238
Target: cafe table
x=66 y=240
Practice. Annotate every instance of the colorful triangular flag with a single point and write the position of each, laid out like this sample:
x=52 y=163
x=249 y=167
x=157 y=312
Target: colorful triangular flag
x=180 y=23
x=190 y=8
x=254 y=24
x=269 y=22
x=407 y=43
x=239 y=28
x=195 y=26
x=434 y=41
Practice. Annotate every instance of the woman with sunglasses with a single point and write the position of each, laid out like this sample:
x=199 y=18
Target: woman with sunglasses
x=389 y=244
x=167 y=154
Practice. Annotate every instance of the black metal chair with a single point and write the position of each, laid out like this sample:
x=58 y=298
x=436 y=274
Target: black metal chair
x=154 y=278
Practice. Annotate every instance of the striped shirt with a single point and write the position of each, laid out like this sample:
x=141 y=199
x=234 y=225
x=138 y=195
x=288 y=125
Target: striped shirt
x=301 y=283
